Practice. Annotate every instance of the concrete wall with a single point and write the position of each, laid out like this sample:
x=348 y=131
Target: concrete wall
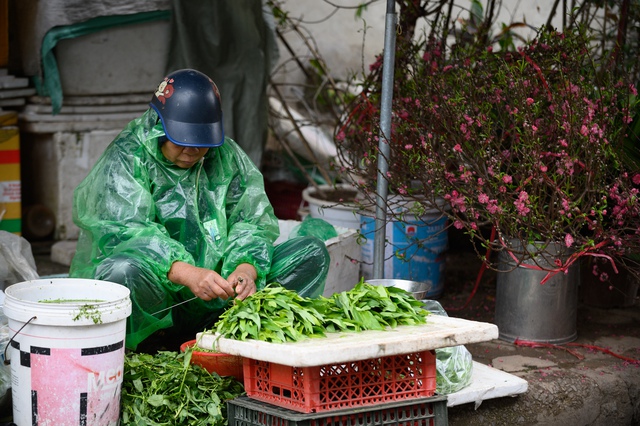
x=347 y=44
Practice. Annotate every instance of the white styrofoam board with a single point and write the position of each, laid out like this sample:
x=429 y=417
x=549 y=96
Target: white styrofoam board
x=11 y=82
x=33 y=109
x=79 y=118
x=344 y=272
x=438 y=332
x=75 y=123
x=117 y=99
x=41 y=127
x=487 y=383
x=62 y=252
x=16 y=93
x=286 y=226
x=12 y=102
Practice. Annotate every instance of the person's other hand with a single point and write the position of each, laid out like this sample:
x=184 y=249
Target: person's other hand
x=243 y=279
x=203 y=283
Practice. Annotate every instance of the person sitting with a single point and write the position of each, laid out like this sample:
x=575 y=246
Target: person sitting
x=177 y=212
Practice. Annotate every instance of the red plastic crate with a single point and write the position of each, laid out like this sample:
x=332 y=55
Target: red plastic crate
x=342 y=385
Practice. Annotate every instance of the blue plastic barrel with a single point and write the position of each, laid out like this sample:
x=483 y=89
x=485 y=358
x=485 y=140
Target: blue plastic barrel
x=414 y=249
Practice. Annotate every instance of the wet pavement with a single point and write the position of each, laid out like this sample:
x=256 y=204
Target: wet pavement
x=590 y=381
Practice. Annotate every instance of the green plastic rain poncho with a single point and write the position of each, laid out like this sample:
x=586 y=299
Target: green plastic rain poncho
x=135 y=208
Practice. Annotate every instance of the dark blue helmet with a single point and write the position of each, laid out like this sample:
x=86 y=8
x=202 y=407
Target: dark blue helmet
x=188 y=103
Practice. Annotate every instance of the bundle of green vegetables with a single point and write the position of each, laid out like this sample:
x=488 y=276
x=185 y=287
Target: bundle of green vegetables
x=166 y=389
x=276 y=314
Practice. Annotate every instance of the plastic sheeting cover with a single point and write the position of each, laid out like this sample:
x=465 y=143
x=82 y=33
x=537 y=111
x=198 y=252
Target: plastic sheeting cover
x=214 y=215
x=35 y=18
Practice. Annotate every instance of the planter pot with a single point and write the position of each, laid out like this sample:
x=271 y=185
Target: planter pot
x=529 y=310
x=602 y=287
x=336 y=209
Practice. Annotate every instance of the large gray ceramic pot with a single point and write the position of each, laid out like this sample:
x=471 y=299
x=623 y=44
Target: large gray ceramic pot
x=528 y=310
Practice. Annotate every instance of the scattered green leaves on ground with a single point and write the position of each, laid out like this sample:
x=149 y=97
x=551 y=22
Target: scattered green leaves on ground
x=166 y=389
x=276 y=314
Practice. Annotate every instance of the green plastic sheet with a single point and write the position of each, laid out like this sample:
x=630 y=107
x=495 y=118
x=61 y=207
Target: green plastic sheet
x=138 y=214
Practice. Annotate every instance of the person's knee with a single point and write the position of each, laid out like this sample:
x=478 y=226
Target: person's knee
x=308 y=250
x=119 y=269
x=301 y=264
x=318 y=250
x=314 y=266
x=146 y=293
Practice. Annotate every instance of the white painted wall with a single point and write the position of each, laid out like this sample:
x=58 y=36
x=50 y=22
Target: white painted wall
x=346 y=43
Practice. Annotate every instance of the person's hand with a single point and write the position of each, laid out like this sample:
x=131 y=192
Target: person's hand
x=203 y=283
x=243 y=279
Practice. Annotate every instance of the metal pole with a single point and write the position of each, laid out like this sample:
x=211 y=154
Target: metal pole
x=385 y=138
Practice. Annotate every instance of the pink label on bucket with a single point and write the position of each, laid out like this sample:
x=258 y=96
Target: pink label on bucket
x=77 y=386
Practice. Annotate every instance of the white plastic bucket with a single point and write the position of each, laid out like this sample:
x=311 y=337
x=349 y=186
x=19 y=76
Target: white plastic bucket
x=336 y=213
x=67 y=350
x=414 y=248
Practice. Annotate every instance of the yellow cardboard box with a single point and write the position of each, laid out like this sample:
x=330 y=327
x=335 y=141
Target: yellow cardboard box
x=8 y=118
x=10 y=189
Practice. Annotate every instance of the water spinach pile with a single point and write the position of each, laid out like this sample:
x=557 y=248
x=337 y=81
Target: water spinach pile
x=165 y=389
x=278 y=315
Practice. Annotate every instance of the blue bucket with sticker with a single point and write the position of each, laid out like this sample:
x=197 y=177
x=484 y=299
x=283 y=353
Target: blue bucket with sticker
x=414 y=249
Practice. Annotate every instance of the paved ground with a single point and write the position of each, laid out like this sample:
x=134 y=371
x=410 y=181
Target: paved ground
x=568 y=385
x=583 y=387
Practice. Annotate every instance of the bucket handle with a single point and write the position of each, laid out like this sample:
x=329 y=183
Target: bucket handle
x=6 y=362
